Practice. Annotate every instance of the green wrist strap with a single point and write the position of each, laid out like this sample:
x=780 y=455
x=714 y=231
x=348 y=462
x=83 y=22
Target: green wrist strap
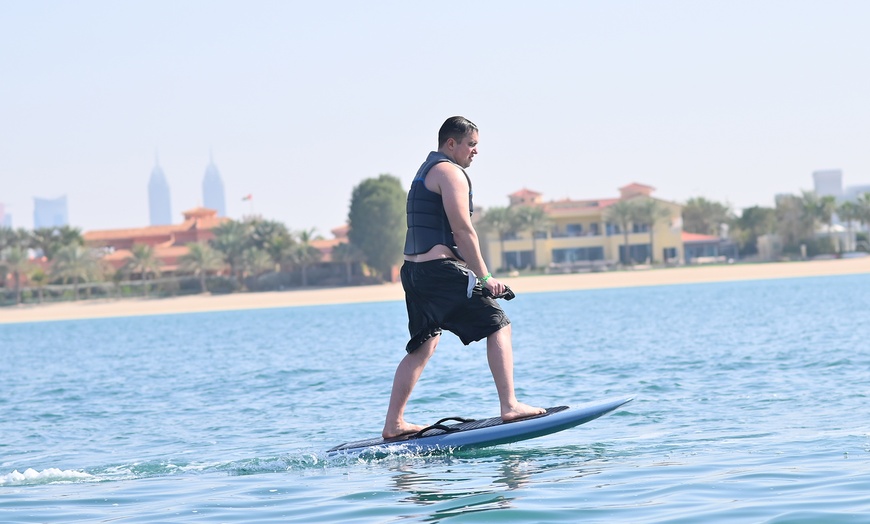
x=483 y=279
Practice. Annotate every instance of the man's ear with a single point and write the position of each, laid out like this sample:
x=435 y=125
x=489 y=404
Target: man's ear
x=451 y=143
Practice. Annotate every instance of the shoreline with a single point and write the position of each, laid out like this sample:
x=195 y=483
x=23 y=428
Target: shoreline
x=106 y=308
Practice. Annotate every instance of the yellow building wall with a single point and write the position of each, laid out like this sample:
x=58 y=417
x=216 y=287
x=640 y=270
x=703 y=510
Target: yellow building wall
x=667 y=234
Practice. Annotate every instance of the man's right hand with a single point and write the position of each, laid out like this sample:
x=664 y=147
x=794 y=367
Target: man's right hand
x=496 y=289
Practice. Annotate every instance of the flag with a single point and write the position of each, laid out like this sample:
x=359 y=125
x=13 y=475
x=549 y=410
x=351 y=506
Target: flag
x=247 y=197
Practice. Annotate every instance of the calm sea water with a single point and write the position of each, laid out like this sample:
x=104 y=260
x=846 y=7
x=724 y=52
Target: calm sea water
x=751 y=406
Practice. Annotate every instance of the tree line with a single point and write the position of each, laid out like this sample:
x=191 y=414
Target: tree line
x=251 y=254
x=795 y=218
x=258 y=254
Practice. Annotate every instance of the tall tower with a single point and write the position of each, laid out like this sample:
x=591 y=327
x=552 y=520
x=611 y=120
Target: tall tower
x=213 y=189
x=828 y=182
x=49 y=212
x=159 y=206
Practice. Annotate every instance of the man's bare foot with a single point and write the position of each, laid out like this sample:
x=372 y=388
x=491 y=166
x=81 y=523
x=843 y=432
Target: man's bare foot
x=519 y=411
x=400 y=429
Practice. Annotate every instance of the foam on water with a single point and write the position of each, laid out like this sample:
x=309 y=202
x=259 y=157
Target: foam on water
x=31 y=476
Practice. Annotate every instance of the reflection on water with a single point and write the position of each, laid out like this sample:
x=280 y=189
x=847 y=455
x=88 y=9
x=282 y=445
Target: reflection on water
x=446 y=484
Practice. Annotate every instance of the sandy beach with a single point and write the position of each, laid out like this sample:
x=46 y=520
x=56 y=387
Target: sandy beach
x=385 y=292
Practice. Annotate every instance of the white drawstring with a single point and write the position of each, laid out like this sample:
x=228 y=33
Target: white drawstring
x=472 y=281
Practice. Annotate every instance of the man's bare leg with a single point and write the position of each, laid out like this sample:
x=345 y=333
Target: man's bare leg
x=499 y=354
x=407 y=375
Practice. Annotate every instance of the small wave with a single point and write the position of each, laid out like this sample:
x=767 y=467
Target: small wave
x=31 y=476
x=274 y=464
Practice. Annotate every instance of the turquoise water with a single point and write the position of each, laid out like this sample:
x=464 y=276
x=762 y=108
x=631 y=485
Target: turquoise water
x=751 y=406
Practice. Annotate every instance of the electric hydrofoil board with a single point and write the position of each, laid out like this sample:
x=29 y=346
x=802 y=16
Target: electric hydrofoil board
x=469 y=434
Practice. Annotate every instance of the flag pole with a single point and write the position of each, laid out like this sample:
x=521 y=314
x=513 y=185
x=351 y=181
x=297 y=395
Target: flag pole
x=250 y=198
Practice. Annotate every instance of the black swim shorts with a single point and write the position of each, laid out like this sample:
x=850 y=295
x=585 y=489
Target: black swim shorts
x=436 y=294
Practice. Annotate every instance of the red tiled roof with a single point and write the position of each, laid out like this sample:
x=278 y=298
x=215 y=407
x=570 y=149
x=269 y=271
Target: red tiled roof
x=150 y=231
x=637 y=185
x=573 y=206
x=524 y=192
x=199 y=212
x=325 y=246
x=159 y=253
x=341 y=231
x=197 y=218
x=697 y=237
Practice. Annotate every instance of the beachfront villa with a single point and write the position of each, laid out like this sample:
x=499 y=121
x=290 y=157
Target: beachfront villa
x=579 y=235
x=170 y=242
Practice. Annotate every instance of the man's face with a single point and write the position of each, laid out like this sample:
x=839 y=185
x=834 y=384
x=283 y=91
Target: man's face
x=464 y=151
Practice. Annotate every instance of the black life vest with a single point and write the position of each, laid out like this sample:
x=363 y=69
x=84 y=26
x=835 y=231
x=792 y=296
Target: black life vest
x=427 y=221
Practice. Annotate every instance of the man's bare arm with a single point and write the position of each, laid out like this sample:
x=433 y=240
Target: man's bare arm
x=453 y=186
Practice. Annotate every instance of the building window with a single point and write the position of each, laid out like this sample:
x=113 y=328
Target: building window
x=574 y=230
x=637 y=253
x=576 y=254
x=702 y=250
x=518 y=259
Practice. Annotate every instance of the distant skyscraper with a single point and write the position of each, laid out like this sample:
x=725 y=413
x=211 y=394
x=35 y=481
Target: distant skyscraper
x=158 y=197
x=213 y=190
x=3 y=217
x=49 y=212
x=828 y=182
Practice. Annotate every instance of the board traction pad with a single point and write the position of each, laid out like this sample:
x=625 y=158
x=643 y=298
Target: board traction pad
x=455 y=428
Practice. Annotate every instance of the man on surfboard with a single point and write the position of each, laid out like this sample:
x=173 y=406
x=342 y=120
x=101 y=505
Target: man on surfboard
x=444 y=277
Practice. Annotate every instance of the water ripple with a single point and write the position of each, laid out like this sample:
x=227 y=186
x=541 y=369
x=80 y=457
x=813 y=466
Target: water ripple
x=751 y=402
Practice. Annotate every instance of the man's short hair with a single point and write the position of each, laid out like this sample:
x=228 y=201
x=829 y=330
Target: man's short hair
x=455 y=127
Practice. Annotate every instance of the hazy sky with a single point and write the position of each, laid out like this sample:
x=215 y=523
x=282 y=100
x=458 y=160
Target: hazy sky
x=300 y=101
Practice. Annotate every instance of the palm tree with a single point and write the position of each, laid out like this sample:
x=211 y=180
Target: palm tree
x=532 y=219
x=348 y=254
x=15 y=261
x=232 y=238
x=817 y=210
x=499 y=220
x=622 y=213
x=650 y=212
x=303 y=254
x=256 y=261
x=704 y=216
x=48 y=240
x=793 y=223
x=827 y=209
x=863 y=203
x=753 y=222
x=8 y=238
x=271 y=236
x=143 y=262
x=75 y=263
x=39 y=278
x=117 y=277
x=849 y=212
x=13 y=256
x=199 y=261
